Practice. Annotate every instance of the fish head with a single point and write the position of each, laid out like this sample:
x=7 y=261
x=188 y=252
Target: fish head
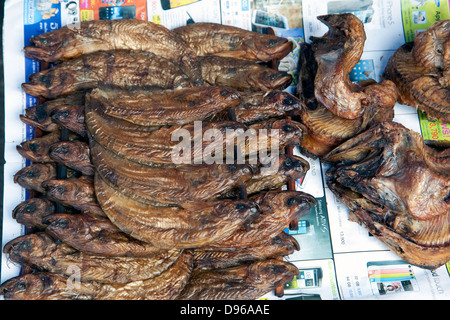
x=31 y=176
x=295 y=203
x=31 y=211
x=270 y=79
x=61 y=224
x=36 y=286
x=25 y=248
x=289 y=132
x=282 y=101
x=274 y=271
x=285 y=242
x=269 y=47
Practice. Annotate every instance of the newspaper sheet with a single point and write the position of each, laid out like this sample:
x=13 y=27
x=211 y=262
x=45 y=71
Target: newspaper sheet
x=338 y=258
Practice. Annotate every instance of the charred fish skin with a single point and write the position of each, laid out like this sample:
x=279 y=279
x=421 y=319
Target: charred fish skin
x=74 y=154
x=121 y=68
x=30 y=212
x=397 y=188
x=248 y=281
x=102 y=35
x=164 y=107
x=230 y=41
x=242 y=74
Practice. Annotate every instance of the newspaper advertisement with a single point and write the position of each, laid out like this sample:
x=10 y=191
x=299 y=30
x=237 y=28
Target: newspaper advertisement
x=338 y=259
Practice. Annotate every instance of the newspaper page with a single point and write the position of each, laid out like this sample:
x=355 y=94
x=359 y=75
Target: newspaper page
x=338 y=259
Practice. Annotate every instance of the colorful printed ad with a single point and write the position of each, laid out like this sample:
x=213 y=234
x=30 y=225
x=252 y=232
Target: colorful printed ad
x=418 y=15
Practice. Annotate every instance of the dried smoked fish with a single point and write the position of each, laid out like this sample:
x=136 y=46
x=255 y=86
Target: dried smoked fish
x=164 y=107
x=278 y=246
x=279 y=209
x=31 y=177
x=74 y=192
x=257 y=106
x=121 y=68
x=73 y=154
x=40 y=116
x=161 y=145
x=229 y=41
x=244 y=282
x=96 y=235
x=70 y=117
x=72 y=41
x=52 y=286
x=191 y=225
x=37 y=149
x=398 y=188
x=242 y=74
x=45 y=254
x=167 y=185
x=30 y=212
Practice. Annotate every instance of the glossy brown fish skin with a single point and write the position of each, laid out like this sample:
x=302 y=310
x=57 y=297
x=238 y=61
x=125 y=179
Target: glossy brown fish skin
x=70 y=117
x=96 y=235
x=40 y=116
x=257 y=106
x=230 y=41
x=155 y=145
x=398 y=188
x=51 y=286
x=271 y=176
x=37 y=149
x=164 y=107
x=278 y=246
x=336 y=53
x=244 y=282
x=74 y=154
x=31 y=212
x=45 y=254
x=167 y=185
x=120 y=67
x=86 y=37
x=242 y=74
x=193 y=225
x=73 y=192
x=31 y=177
x=278 y=209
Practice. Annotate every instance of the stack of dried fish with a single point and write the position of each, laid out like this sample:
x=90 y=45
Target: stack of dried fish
x=336 y=109
x=127 y=221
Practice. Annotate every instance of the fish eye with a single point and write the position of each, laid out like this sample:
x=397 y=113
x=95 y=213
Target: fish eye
x=21 y=285
x=292 y=201
x=33 y=146
x=241 y=206
x=31 y=207
x=59 y=189
x=272 y=42
x=273 y=76
x=31 y=174
x=288 y=101
x=288 y=128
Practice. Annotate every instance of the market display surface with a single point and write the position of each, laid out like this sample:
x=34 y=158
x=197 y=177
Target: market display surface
x=118 y=204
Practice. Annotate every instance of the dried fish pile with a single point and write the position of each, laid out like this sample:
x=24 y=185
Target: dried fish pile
x=421 y=71
x=336 y=109
x=111 y=215
x=399 y=189
x=393 y=184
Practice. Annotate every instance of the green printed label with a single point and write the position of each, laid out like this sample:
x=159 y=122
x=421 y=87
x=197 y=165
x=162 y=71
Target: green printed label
x=418 y=15
x=434 y=130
